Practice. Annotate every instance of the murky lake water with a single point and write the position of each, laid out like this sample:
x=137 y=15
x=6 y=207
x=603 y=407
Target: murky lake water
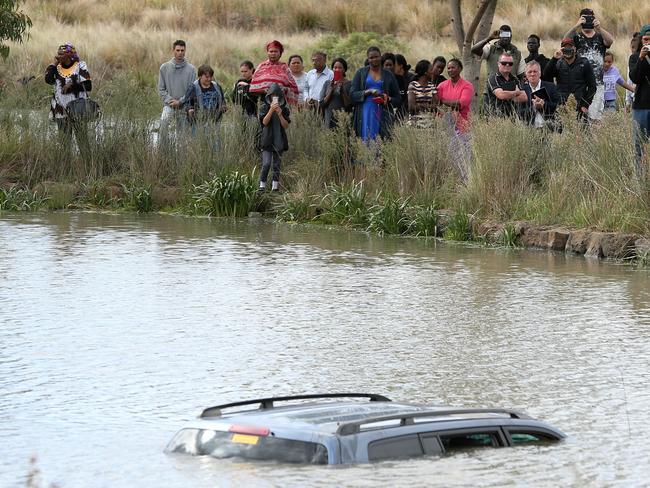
x=115 y=330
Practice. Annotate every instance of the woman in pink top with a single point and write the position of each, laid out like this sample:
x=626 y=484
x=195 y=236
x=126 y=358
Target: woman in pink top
x=456 y=93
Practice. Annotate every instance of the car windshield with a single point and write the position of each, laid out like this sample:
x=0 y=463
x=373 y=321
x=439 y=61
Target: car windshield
x=205 y=442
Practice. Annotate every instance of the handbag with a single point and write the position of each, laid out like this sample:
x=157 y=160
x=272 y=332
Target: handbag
x=85 y=109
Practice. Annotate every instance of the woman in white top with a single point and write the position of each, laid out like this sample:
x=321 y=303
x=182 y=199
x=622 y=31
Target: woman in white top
x=296 y=67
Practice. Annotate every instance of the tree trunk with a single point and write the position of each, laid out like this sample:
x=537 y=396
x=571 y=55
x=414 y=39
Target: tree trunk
x=481 y=25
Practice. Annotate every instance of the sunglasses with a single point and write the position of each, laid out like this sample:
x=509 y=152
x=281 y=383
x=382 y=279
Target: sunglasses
x=506 y=63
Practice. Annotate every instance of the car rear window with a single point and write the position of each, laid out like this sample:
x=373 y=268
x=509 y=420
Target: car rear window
x=404 y=446
x=468 y=440
x=521 y=437
x=205 y=442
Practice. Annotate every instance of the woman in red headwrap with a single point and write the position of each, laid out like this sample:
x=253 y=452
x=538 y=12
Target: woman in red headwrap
x=274 y=71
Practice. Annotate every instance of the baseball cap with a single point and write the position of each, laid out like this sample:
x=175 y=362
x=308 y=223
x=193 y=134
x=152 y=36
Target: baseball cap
x=567 y=41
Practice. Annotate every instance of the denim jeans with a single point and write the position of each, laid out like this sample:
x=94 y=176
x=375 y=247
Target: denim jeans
x=641 y=119
x=270 y=158
x=610 y=106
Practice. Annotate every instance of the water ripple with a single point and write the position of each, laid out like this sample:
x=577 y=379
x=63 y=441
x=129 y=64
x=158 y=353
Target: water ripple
x=116 y=329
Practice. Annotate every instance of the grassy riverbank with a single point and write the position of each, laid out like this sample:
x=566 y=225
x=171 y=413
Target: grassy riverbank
x=579 y=178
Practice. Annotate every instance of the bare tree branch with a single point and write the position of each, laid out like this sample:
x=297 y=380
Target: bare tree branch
x=469 y=34
x=457 y=21
x=485 y=26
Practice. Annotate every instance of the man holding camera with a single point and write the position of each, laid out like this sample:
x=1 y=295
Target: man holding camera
x=574 y=76
x=492 y=51
x=591 y=42
x=640 y=75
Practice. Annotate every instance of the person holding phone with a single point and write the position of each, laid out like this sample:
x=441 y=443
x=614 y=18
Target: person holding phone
x=240 y=95
x=640 y=76
x=374 y=92
x=337 y=93
x=591 y=42
x=274 y=120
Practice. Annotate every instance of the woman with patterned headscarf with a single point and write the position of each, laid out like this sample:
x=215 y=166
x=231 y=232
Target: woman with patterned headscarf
x=71 y=81
x=274 y=71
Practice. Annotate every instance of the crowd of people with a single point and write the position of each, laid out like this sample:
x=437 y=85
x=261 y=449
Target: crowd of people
x=385 y=90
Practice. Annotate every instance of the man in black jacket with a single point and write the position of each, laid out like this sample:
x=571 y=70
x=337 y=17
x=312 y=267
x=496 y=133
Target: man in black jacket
x=543 y=98
x=573 y=75
x=640 y=76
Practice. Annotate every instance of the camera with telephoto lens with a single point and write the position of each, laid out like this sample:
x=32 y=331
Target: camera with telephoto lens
x=589 y=22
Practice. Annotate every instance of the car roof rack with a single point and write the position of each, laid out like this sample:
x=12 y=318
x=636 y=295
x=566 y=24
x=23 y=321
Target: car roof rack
x=267 y=403
x=408 y=418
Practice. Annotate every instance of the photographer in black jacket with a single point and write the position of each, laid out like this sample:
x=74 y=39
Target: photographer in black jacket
x=573 y=75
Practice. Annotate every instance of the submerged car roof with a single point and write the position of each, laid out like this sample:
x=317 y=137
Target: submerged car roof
x=343 y=417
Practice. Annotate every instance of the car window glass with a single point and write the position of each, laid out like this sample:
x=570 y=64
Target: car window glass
x=468 y=440
x=395 y=447
x=431 y=444
x=226 y=444
x=529 y=438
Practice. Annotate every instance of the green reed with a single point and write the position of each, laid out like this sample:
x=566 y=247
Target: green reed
x=226 y=195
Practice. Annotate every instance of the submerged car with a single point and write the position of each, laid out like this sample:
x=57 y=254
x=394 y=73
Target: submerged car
x=337 y=428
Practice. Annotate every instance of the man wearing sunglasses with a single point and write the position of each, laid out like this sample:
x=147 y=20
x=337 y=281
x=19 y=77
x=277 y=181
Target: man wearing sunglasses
x=573 y=75
x=492 y=51
x=504 y=93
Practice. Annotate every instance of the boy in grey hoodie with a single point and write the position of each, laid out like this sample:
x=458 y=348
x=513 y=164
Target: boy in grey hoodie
x=176 y=75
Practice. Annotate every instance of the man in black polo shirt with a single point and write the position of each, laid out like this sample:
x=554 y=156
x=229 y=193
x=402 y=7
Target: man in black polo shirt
x=504 y=93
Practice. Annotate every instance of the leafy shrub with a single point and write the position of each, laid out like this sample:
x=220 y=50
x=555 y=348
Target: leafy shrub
x=508 y=236
x=389 y=216
x=138 y=197
x=226 y=195
x=295 y=208
x=22 y=199
x=345 y=204
x=353 y=46
x=424 y=220
x=459 y=227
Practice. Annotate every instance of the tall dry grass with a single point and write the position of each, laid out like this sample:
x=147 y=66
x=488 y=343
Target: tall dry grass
x=124 y=36
x=409 y=18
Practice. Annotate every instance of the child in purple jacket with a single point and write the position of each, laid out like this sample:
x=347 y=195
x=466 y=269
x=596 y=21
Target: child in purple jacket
x=611 y=78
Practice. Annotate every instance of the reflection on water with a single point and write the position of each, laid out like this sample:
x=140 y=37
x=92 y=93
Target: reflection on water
x=116 y=329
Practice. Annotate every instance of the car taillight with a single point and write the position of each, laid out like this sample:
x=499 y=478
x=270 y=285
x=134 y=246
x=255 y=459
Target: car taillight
x=249 y=430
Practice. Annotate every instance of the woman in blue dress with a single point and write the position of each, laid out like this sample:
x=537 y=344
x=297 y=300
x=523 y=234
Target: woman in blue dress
x=374 y=93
